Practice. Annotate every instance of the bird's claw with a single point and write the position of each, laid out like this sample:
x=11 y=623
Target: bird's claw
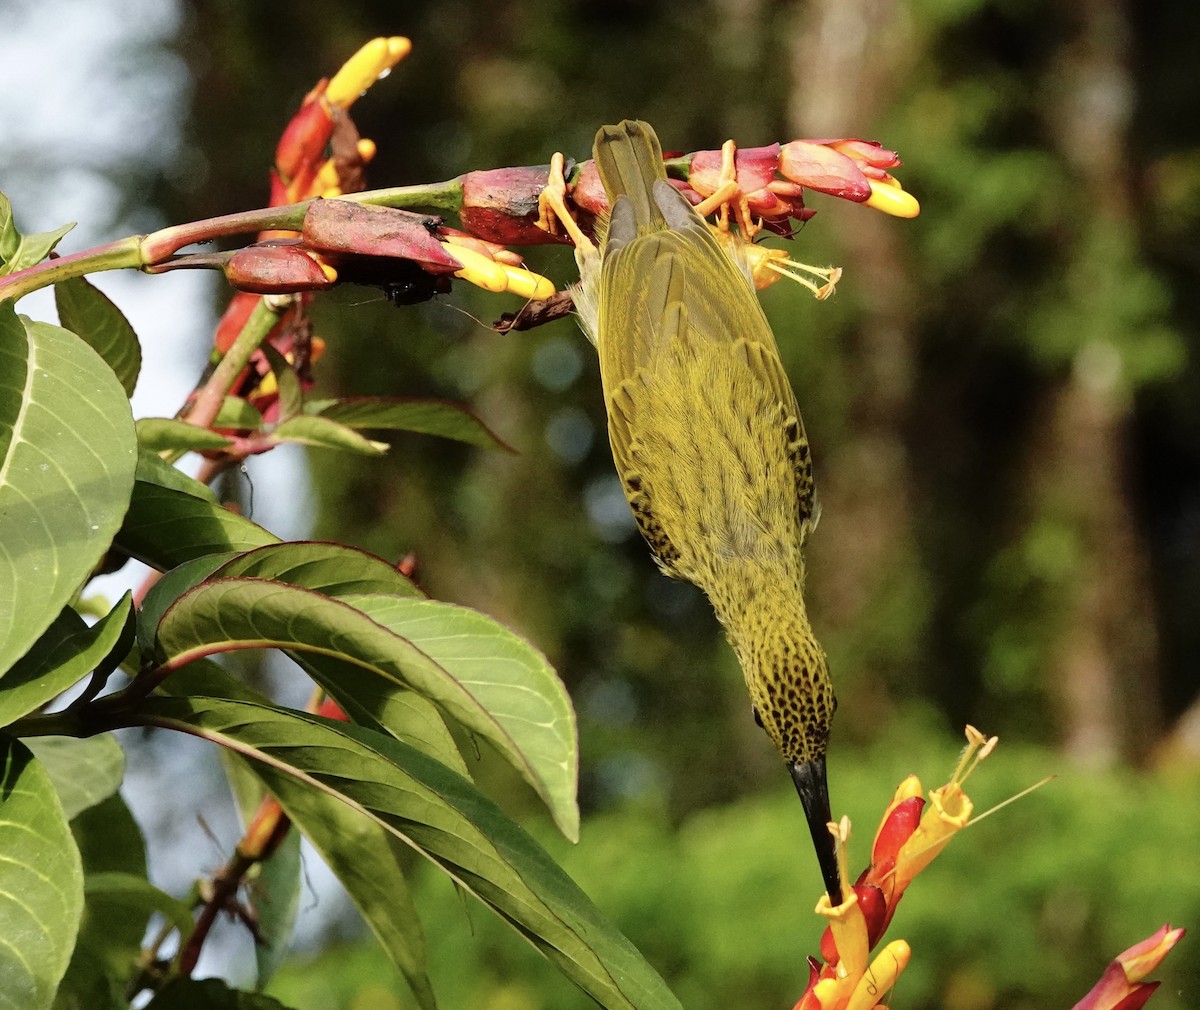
x=729 y=196
x=552 y=205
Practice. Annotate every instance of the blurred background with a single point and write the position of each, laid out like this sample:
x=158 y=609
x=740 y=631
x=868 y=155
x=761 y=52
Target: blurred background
x=1003 y=401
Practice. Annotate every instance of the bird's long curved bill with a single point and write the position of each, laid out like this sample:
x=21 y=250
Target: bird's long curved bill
x=813 y=788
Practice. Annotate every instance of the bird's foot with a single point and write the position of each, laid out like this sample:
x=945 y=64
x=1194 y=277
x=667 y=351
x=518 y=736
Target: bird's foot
x=729 y=197
x=552 y=206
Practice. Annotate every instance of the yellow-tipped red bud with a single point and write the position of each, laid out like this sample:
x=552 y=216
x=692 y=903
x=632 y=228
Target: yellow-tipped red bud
x=278 y=269
x=364 y=68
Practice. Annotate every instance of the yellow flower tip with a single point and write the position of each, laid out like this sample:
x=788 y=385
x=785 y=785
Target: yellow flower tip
x=331 y=275
x=849 y=928
x=487 y=273
x=373 y=61
x=891 y=199
x=826 y=992
x=1143 y=958
x=878 y=980
x=527 y=284
x=366 y=149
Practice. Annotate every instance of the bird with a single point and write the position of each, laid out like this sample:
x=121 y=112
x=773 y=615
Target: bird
x=708 y=441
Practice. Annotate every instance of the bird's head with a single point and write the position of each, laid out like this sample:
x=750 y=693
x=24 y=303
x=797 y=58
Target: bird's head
x=793 y=699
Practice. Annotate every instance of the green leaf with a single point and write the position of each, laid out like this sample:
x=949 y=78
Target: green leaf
x=182 y=993
x=84 y=772
x=428 y=417
x=19 y=251
x=332 y=569
x=153 y=469
x=88 y=312
x=109 y=839
x=365 y=856
x=169 y=588
x=239 y=414
x=275 y=896
x=67 y=651
x=479 y=672
x=441 y=815
x=67 y=455
x=173 y=519
x=327 y=434
x=158 y=433
x=41 y=884
x=371 y=700
x=291 y=393
x=138 y=897
x=110 y=940
x=511 y=679
x=9 y=236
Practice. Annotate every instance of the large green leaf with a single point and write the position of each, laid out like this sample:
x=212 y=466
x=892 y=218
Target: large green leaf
x=440 y=814
x=67 y=651
x=169 y=588
x=84 y=772
x=67 y=457
x=487 y=678
x=88 y=312
x=428 y=417
x=41 y=883
x=381 y=703
x=365 y=856
x=173 y=519
x=332 y=569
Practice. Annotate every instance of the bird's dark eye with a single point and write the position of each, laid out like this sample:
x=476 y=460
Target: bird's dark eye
x=757 y=717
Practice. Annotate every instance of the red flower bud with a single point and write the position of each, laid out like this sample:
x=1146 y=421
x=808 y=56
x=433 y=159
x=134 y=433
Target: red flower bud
x=755 y=167
x=277 y=269
x=304 y=139
x=501 y=205
x=341 y=226
x=821 y=168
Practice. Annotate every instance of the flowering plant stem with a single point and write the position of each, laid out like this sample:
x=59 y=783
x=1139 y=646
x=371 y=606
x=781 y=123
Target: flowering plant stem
x=153 y=253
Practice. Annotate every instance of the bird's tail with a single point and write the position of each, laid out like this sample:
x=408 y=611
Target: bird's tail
x=629 y=160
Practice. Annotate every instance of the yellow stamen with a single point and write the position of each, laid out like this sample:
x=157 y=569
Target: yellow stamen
x=364 y=68
x=891 y=199
x=778 y=263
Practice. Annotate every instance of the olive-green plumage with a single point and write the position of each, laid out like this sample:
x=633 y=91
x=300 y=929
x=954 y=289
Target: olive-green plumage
x=708 y=441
